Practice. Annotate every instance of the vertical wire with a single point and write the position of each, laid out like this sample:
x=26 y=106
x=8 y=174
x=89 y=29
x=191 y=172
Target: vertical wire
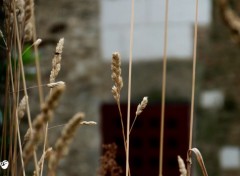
x=163 y=87
x=193 y=88
x=129 y=85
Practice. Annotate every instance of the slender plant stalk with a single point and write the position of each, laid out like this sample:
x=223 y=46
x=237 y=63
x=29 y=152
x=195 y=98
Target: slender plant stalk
x=123 y=133
x=6 y=104
x=129 y=86
x=14 y=77
x=163 y=88
x=199 y=159
x=7 y=97
x=17 y=87
x=123 y=130
x=193 y=90
x=62 y=144
x=53 y=75
x=24 y=83
x=135 y=118
x=44 y=144
x=17 y=134
x=12 y=115
x=20 y=147
x=39 y=79
x=14 y=123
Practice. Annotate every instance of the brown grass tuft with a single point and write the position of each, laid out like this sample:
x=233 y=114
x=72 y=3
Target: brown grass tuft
x=108 y=164
x=63 y=142
x=39 y=122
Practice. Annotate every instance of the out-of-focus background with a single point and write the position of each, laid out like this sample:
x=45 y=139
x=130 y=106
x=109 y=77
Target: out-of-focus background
x=94 y=29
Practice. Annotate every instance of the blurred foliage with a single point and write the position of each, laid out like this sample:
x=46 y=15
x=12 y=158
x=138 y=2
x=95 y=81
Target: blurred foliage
x=28 y=55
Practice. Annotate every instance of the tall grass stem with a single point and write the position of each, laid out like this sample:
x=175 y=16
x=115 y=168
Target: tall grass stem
x=163 y=88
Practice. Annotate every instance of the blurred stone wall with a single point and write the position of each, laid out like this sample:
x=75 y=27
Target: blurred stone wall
x=219 y=127
x=78 y=23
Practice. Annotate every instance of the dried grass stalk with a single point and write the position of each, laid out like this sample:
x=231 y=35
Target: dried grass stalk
x=45 y=155
x=63 y=142
x=40 y=121
x=22 y=107
x=56 y=62
x=182 y=167
x=118 y=85
x=116 y=76
x=199 y=159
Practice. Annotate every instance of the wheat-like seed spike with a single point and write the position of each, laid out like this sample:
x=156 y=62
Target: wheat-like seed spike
x=116 y=76
x=26 y=137
x=88 y=123
x=28 y=32
x=115 y=93
x=52 y=85
x=28 y=29
x=142 y=106
x=63 y=142
x=182 y=167
x=22 y=107
x=29 y=6
x=40 y=121
x=139 y=110
x=45 y=155
x=20 y=10
x=37 y=42
x=56 y=61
